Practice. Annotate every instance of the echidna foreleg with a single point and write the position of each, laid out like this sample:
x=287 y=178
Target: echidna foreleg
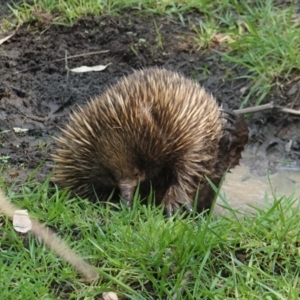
x=175 y=199
x=236 y=134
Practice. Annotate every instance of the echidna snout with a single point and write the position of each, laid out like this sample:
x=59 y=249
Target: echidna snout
x=127 y=190
x=128 y=184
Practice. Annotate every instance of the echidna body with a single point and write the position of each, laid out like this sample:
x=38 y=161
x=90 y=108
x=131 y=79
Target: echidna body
x=154 y=127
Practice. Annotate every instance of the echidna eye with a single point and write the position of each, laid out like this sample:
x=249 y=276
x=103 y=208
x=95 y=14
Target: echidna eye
x=136 y=174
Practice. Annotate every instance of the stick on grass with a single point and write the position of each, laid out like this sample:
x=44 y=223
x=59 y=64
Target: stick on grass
x=52 y=241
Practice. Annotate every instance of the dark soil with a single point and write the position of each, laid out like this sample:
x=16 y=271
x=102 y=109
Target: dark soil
x=37 y=93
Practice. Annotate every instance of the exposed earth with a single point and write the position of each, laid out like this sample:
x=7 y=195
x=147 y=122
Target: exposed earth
x=37 y=93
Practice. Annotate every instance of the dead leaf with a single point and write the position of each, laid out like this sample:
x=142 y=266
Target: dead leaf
x=222 y=38
x=109 y=296
x=14 y=174
x=84 y=69
x=18 y=129
x=21 y=221
x=244 y=89
x=6 y=38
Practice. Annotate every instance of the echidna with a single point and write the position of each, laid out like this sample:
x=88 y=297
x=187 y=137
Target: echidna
x=154 y=127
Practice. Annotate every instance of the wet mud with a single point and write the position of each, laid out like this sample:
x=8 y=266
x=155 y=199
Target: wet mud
x=38 y=92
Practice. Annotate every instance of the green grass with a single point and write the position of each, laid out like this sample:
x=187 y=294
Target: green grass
x=142 y=255
x=260 y=37
x=267 y=46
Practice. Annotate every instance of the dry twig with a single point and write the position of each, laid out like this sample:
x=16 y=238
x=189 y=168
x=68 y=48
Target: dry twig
x=267 y=107
x=63 y=59
x=54 y=243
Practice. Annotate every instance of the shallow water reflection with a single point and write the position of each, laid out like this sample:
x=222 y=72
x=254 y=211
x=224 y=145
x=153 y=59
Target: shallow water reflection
x=256 y=180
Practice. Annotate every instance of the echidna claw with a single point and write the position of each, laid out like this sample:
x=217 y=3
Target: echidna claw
x=169 y=210
x=230 y=129
x=172 y=208
x=230 y=116
x=188 y=207
x=229 y=119
x=127 y=203
x=229 y=112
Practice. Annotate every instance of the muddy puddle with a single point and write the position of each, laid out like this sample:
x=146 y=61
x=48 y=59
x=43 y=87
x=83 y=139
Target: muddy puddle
x=255 y=184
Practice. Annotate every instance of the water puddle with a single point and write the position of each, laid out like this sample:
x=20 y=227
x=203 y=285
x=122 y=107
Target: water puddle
x=257 y=180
